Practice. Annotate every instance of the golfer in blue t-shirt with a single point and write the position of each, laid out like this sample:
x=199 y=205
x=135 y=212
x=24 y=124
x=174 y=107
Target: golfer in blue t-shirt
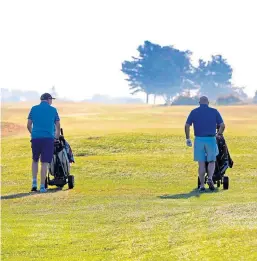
x=44 y=126
x=205 y=120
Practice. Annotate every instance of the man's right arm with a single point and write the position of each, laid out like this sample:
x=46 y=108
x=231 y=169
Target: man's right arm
x=188 y=124
x=29 y=122
x=29 y=125
x=187 y=129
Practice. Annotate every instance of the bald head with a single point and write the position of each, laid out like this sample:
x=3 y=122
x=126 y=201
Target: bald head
x=204 y=100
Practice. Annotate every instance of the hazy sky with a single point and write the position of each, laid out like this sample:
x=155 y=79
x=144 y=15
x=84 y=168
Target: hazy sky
x=79 y=46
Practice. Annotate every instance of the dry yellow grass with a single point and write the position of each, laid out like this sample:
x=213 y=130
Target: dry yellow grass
x=97 y=118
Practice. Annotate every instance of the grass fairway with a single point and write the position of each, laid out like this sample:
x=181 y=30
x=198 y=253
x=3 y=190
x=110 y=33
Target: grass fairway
x=134 y=196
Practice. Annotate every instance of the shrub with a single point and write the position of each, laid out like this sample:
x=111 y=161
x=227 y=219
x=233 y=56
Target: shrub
x=186 y=100
x=228 y=100
x=255 y=98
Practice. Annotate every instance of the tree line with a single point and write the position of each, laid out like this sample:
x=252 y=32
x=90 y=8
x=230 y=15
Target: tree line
x=168 y=72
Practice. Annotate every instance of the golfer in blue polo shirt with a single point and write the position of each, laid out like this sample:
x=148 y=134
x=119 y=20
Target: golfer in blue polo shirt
x=205 y=120
x=44 y=126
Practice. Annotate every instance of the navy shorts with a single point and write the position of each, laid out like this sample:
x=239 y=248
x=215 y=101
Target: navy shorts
x=43 y=148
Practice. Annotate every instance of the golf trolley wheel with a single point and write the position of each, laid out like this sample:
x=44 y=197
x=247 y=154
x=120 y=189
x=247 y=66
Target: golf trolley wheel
x=225 y=182
x=218 y=183
x=71 y=181
x=198 y=183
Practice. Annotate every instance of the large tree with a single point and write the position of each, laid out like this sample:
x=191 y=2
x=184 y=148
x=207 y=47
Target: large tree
x=158 y=70
x=213 y=77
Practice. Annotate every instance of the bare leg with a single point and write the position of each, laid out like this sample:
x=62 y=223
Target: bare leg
x=44 y=166
x=211 y=169
x=34 y=169
x=201 y=172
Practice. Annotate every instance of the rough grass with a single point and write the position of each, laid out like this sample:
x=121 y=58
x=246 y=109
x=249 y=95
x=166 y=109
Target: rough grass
x=134 y=195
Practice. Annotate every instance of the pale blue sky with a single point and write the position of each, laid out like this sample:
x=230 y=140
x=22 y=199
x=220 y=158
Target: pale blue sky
x=79 y=46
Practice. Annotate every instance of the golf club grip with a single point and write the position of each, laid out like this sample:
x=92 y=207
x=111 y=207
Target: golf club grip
x=61 y=132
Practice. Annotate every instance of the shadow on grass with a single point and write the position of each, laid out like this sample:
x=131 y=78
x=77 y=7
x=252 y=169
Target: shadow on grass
x=193 y=193
x=22 y=195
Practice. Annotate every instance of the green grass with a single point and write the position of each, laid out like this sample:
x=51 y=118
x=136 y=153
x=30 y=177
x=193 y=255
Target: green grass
x=134 y=195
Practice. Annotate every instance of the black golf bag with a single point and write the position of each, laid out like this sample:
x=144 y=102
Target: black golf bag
x=223 y=159
x=59 y=168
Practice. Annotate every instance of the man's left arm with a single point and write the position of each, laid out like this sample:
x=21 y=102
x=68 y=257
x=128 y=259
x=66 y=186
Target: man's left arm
x=58 y=129
x=220 y=122
x=57 y=125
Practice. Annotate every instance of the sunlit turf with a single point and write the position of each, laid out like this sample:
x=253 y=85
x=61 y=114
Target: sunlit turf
x=135 y=194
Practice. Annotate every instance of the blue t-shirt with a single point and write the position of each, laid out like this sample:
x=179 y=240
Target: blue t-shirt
x=43 y=117
x=205 y=120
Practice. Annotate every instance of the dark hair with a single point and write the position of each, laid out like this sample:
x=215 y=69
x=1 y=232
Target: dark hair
x=46 y=96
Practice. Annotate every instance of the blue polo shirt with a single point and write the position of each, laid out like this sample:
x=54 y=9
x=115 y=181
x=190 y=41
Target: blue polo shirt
x=43 y=118
x=205 y=120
